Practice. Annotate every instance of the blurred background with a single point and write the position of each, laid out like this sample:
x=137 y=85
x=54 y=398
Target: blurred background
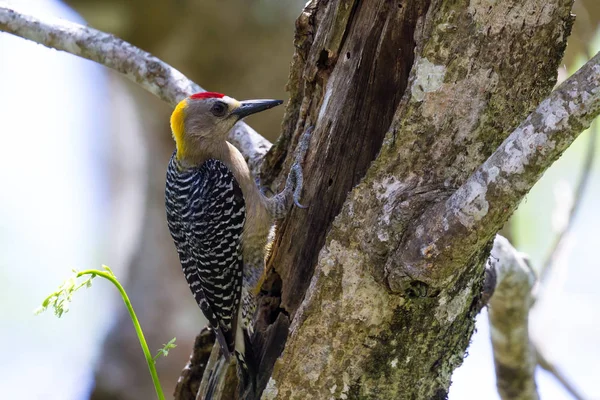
x=82 y=175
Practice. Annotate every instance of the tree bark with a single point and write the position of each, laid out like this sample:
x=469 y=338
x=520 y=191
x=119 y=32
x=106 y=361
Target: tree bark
x=372 y=322
x=514 y=355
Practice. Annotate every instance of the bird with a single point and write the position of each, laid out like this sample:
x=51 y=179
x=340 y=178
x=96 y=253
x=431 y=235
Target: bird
x=220 y=219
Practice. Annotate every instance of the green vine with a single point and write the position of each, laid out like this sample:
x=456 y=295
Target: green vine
x=60 y=299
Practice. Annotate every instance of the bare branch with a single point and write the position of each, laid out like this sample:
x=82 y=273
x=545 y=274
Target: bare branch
x=558 y=374
x=154 y=75
x=456 y=228
x=514 y=356
x=558 y=243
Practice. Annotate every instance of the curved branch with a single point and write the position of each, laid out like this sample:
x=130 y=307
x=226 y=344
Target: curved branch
x=514 y=356
x=151 y=73
x=456 y=228
x=141 y=67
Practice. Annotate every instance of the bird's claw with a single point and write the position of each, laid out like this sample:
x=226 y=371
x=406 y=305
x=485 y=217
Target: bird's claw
x=296 y=170
x=279 y=205
x=299 y=205
x=298 y=185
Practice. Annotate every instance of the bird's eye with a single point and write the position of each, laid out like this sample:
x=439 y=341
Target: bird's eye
x=219 y=109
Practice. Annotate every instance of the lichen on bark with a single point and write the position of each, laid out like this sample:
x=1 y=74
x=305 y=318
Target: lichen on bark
x=408 y=321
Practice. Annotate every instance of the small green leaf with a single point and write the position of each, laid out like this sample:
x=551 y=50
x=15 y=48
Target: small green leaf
x=107 y=268
x=60 y=299
x=164 y=351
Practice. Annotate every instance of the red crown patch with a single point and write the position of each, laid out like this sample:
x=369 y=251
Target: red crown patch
x=207 y=95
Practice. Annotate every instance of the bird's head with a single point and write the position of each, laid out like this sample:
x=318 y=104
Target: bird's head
x=204 y=119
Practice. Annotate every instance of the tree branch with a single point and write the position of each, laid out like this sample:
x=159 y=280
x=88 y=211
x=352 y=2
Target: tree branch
x=154 y=75
x=450 y=232
x=514 y=356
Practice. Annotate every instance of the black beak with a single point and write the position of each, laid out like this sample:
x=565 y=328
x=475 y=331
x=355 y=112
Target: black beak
x=248 y=107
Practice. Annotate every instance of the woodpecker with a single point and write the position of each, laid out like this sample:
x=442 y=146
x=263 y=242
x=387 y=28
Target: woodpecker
x=220 y=219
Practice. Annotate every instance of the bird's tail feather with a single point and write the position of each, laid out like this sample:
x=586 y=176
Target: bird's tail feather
x=247 y=370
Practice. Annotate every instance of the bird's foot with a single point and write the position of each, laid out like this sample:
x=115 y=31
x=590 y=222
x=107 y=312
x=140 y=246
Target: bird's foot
x=280 y=204
x=295 y=178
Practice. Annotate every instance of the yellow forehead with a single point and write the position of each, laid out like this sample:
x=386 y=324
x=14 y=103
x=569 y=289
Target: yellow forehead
x=178 y=122
x=177 y=126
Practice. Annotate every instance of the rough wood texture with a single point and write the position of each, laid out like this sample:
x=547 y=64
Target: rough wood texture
x=226 y=384
x=352 y=78
x=479 y=208
x=189 y=381
x=371 y=325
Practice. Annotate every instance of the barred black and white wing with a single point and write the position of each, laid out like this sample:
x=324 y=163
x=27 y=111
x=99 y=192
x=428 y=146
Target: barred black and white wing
x=206 y=215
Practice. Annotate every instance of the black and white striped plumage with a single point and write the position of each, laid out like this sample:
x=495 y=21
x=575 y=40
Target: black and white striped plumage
x=206 y=214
